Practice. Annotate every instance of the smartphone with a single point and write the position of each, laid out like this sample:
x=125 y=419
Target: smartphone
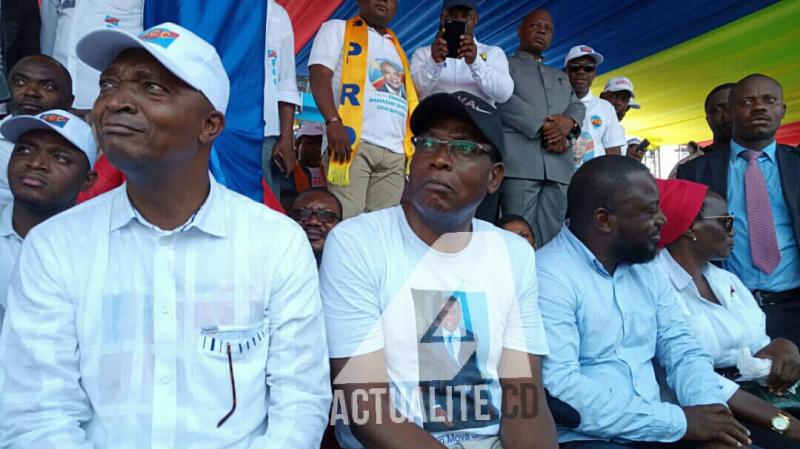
x=277 y=164
x=453 y=30
x=643 y=145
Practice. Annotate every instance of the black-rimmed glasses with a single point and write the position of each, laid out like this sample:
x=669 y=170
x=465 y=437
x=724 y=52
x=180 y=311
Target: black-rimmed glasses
x=465 y=150
x=305 y=213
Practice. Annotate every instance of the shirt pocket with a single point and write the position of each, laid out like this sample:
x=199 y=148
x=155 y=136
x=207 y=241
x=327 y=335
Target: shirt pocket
x=244 y=340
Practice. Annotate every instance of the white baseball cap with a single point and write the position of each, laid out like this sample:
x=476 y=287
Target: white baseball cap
x=619 y=84
x=310 y=129
x=182 y=52
x=583 y=50
x=69 y=126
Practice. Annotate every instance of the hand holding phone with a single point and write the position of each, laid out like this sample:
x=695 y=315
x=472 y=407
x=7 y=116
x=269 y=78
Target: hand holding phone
x=453 y=30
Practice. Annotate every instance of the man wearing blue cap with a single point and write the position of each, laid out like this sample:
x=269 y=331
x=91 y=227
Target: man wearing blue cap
x=479 y=69
x=50 y=164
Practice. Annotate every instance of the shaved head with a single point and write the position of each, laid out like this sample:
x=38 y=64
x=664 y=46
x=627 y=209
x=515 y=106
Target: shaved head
x=536 y=32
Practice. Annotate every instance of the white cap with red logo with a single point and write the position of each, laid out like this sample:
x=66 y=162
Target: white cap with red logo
x=620 y=84
x=182 y=52
x=583 y=50
x=69 y=126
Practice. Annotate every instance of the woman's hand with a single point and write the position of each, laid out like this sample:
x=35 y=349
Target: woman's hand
x=785 y=364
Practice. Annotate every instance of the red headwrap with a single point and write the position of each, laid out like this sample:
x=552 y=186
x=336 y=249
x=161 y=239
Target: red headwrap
x=681 y=202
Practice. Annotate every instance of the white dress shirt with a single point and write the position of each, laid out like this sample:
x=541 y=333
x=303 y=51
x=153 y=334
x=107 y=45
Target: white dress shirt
x=487 y=77
x=64 y=22
x=6 y=147
x=10 y=243
x=117 y=332
x=722 y=329
x=280 y=83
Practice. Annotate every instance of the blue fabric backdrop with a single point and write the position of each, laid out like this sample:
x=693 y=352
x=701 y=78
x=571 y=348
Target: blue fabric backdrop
x=236 y=28
x=624 y=31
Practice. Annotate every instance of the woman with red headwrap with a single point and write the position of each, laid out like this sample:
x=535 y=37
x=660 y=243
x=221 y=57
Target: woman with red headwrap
x=722 y=312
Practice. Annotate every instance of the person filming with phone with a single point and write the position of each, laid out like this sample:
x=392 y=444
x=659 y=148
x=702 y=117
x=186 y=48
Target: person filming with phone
x=456 y=61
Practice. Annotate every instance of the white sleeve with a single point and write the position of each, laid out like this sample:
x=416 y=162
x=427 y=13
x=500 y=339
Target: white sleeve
x=615 y=133
x=525 y=328
x=327 y=47
x=287 y=81
x=298 y=374
x=42 y=403
x=350 y=295
x=492 y=74
x=425 y=71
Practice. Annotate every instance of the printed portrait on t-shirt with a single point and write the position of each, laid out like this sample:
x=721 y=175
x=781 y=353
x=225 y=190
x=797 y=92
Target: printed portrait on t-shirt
x=583 y=148
x=387 y=76
x=453 y=336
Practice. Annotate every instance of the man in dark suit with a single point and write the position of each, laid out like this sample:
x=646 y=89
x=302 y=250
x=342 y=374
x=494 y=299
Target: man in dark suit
x=760 y=180
x=19 y=33
x=449 y=369
x=537 y=120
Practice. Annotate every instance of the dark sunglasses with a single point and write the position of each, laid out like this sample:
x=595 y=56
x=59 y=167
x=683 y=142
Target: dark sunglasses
x=588 y=68
x=725 y=220
x=323 y=215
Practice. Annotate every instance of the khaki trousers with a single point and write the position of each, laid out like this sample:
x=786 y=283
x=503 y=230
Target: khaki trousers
x=377 y=178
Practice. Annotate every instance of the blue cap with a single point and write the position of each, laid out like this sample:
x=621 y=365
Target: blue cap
x=471 y=4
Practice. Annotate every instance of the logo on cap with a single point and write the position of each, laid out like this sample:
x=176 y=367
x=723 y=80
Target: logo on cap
x=55 y=119
x=112 y=21
x=586 y=50
x=159 y=36
x=472 y=104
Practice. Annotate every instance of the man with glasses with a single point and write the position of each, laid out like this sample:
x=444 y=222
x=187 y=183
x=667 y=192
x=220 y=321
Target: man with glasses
x=402 y=291
x=601 y=132
x=317 y=211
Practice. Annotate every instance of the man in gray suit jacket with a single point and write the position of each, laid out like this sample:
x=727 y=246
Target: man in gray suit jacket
x=538 y=120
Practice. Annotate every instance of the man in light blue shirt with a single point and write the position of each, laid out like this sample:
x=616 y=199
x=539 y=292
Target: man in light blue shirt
x=771 y=267
x=609 y=314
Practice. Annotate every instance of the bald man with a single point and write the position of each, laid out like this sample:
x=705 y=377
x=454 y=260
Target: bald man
x=542 y=114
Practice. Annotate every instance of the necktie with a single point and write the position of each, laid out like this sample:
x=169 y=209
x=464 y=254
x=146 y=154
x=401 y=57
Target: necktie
x=451 y=346
x=760 y=227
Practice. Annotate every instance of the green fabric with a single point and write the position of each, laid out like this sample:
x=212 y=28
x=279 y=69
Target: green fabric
x=672 y=85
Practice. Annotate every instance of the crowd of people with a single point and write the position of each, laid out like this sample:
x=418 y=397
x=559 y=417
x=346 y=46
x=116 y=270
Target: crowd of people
x=468 y=253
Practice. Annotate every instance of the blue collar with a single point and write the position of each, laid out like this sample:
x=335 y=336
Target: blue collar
x=737 y=149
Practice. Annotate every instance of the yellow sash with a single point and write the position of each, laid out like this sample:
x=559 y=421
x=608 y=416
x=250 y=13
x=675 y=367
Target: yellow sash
x=351 y=99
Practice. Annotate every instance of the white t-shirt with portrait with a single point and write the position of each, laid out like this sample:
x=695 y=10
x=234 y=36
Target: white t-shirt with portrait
x=600 y=130
x=442 y=319
x=385 y=105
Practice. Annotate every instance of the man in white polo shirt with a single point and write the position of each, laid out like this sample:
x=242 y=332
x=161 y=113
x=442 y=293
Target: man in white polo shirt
x=480 y=69
x=375 y=156
x=601 y=132
x=169 y=312
x=51 y=163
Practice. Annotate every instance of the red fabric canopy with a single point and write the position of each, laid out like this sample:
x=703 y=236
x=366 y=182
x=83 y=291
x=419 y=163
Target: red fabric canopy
x=311 y=14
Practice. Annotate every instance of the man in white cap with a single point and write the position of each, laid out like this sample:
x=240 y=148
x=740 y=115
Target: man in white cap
x=169 y=312
x=619 y=92
x=308 y=171
x=601 y=132
x=51 y=163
